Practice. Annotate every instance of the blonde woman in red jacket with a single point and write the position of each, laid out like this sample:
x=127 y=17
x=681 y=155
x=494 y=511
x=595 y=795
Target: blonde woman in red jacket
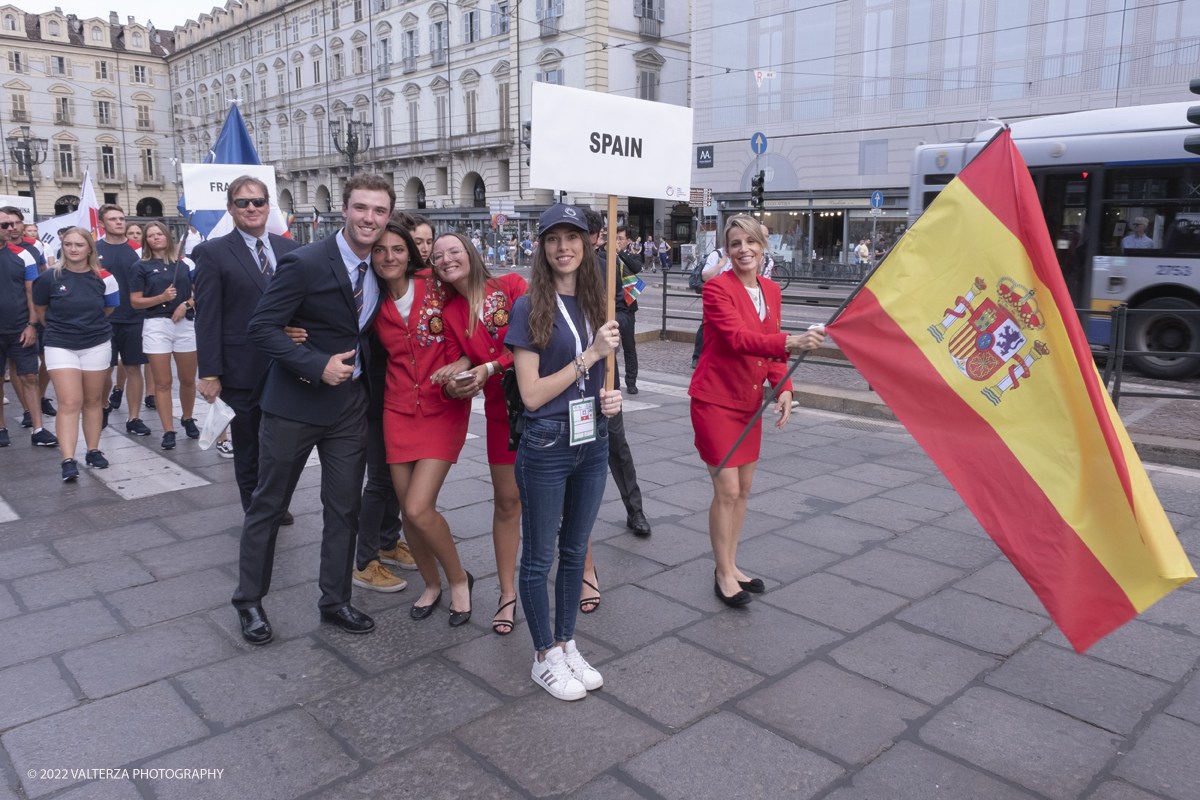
x=743 y=346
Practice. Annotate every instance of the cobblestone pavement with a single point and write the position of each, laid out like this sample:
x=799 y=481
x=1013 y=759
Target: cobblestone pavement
x=896 y=654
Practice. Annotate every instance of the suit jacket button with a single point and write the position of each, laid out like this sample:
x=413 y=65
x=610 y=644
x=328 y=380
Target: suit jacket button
x=416 y=386
x=492 y=350
x=760 y=363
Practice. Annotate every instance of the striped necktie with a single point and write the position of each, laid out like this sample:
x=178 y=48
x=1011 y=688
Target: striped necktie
x=358 y=287
x=263 y=263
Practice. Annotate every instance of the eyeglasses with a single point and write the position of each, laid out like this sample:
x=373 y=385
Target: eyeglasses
x=257 y=202
x=6 y=225
x=437 y=258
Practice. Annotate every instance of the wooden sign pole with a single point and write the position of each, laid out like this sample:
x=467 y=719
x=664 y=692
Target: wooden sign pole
x=610 y=283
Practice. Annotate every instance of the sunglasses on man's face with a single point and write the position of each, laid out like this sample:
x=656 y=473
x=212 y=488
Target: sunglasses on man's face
x=6 y=225
x=257 y=202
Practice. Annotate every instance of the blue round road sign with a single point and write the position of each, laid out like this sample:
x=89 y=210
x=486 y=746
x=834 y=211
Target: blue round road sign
x=877 y=199
x=758 y=143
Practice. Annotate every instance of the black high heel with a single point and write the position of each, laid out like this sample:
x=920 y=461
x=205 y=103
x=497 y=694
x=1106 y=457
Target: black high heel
x=463 y=617
x=421 y=612
x=739 y=599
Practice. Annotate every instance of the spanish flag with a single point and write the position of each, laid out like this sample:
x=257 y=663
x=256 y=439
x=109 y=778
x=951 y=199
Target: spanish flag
x=968 y=333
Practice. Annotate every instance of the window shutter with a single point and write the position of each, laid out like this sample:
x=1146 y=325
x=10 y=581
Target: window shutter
x=637 y=8
x=661 y=12
x=11 y=65
x=432 y=43
x=495 y=19
x=557 y=7
x=466 y=27
x=475 y=19
x=69 y=72
x=540 y=14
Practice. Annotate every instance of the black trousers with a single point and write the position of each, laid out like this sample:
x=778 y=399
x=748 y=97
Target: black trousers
x=379 y=519
x=284 y=446
x=620 y=459
x=699 y=342
x=244 y=431
x=626 y=326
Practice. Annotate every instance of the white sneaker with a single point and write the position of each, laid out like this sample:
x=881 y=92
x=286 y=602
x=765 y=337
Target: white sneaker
x=554 y=675
x=584 y=672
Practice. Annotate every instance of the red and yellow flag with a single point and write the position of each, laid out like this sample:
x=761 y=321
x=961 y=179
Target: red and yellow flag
x=968 y=333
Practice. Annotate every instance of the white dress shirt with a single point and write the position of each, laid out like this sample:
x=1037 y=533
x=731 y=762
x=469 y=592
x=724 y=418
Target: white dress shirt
x=252 y=243
x=370 y=289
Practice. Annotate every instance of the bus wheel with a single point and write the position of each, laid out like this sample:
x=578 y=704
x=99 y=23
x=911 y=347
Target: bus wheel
x=1166 y=330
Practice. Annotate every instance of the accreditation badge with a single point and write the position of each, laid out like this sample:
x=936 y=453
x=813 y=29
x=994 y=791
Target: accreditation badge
x=582 y=414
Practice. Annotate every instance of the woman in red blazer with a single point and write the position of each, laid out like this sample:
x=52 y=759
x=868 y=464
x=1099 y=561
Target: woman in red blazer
x=476 y=322
x=743 y=347
x=424 y=423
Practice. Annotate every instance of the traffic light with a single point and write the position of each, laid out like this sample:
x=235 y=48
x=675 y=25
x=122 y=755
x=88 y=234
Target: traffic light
x=527 y=138
x=756 y=189
x=1192 y=143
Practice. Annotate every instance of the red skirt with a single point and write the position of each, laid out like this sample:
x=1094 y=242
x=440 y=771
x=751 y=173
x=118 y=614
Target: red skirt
x=717 y=428
x=411 y=437
x=497 y=442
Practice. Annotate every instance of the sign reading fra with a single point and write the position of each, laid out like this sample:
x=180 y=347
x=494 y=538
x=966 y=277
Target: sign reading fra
x=205 y=185
x=592 y=142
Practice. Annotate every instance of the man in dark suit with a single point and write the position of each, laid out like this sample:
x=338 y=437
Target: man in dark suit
x=232 y=272
x=313 y=395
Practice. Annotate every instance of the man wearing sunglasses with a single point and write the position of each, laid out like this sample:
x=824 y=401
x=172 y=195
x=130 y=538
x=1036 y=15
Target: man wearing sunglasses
x=232 y=272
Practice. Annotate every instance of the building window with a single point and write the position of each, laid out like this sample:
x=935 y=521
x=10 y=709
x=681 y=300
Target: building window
x=873 y=157
x=443 y=121
x=258 y=42
x=339 y=66
x=62 y=111
x=383 y=50
x=503 y=103
x=337 y=15
x=359 y=60
x=1066 y=30
x=471 y=104
x=438 y=42
x=413 y=122
x=299 y=73
x=961 y=44
x=108 y=161
x=280 y=86
x=1008 y=83
x=10 y=22
x=301 y=136
x=499 y=18
x=148 y=163
x=387 y=125
x=471 y=27
x=314 y=25
x=246 y=97
x=66 y=160
x=278 y=36
x=358 y=10
x=19 y=113
x=143 y=117
x=877 y=53
x=97 y=35
x=102 y=70
x=16 y=63
x=316 y=71
x=647 y=88
x=58 y=65
x=262 y=87
x=53 y=28
x=139 y=74
x=295 y=28
x=104 y=112
x=555 y=75
x=283 y=142
x=137 y=39
x=408 y=50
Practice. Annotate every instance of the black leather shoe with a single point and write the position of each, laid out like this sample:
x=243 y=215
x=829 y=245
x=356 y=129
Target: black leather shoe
x=287 y=519
x=421 y=612
x=638 y=523
x=739 y=599
x=255 y=627
x=463 y=617
x=754 y=585
x=631 y=389
x=349 y=619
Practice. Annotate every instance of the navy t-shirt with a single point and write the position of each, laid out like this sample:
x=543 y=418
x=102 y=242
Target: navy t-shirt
x=75 y=302
x=118 y=259
x=16 y=267
x=558 y=353
x=153 y=276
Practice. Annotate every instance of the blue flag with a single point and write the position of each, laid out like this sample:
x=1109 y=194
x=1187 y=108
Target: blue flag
x=233 y=147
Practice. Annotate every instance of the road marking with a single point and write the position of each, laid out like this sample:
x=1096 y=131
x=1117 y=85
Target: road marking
x=1184 y=471
x=6 y=512
x=135 y=470
x=663 y=388
x=630 y=406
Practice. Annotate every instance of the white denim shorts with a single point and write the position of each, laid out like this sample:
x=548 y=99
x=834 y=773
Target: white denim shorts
x=90 y=359
x=161 y=335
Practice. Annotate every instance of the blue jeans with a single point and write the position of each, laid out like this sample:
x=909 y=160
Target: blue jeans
x=561 y=488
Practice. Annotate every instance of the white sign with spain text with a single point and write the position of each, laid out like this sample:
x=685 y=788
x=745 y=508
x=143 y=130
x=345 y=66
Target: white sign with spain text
x=599 y=143
x=205 y=185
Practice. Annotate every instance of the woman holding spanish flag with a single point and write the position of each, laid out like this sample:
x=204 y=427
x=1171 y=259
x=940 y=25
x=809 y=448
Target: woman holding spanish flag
x=743 y=346
x=476 y=322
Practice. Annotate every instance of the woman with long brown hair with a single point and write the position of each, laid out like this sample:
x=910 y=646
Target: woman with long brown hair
x=476 y=324
x=562 y=460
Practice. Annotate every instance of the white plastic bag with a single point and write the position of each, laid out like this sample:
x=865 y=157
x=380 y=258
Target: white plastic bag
x=219 y=417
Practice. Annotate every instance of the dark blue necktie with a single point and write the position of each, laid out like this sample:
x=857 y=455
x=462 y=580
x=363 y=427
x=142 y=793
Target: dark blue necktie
x=358 y=287
x=263 y=262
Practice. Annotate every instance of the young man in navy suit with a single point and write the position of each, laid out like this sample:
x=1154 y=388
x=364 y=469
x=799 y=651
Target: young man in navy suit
x=313 y=395
x=232 y=272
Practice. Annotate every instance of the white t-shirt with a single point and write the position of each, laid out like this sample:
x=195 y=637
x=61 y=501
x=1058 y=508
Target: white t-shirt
x=404 y=304
x=756 y=297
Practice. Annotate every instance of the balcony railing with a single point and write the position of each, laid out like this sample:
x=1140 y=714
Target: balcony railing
x=19 y=115
x=66 y=177
x=423 y=149
x=439 y=58
x=149 y=180
x=549 y=26
x=111 y=179
x=383 y=71
x=650 y=27
x=408 y=64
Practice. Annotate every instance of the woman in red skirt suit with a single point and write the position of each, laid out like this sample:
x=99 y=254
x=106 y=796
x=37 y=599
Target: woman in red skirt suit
x=476 y=321
x=424 y=423
x=743 y=347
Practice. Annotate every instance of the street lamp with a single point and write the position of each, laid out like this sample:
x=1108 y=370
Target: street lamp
x=357 y=138
x=27 y=151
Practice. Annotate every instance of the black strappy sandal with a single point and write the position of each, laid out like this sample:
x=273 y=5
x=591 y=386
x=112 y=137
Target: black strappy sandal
x=497 y=624
x=594 y=602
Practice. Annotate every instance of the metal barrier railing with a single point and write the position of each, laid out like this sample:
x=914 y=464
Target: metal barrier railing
x=1118 y=349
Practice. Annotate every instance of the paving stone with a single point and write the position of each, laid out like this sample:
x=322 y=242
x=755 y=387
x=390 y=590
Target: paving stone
x=276 y=758
x=1164 y=759
x=616 y=565
x=799 y=467
x=696 y=493
x=727 y=756
x=1104 y=695
x=1029 y=744
x=890 y=514
x=674 y=682
x=840 y=489
x=780 y=558
x=54 y=630
x=917 y=664
x=629 y=617
x=1186 y=704
x=110 y=732
x=471 y=520
x=8 y=604
x=64 y=585
x=438 y=771
x=877 y=445
x=1178 y=611
x=107 y=544
x=655 y=510
x=838 y=534
x=292 y=611
x=606 y=787
x=782 y=503
x=123 y=512
x=102 y=790
x=925 y=496
x=669 y=544
x=1176 y=492
x=173 y=597
x=837 y=713
x=913 y=460
x=1001 y=582
x=226 y=519
x=835 y=454
x=760 y=637
x=879 y=475
x=554 y=730
x=900 y=574
x=31 y=691
x=504 y=662
x=106 y=668
x=1143 y=648
x=835 y=601
x=910 y=772
x=397 y=639
x=962 y=521
x=30 y=560
x=936 y=544
x=265 y=680
x=976 y=621
x=195 y=555
x=385 y=715
x=691 y=583
x=1116 y=790
x=670 y=473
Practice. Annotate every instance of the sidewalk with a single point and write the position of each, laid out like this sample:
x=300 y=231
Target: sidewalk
x=896 y=655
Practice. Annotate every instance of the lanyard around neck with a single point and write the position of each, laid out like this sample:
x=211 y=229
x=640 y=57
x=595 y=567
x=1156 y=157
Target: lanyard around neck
x=575 y=332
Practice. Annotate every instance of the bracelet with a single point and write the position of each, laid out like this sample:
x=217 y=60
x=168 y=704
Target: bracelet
x=491 y=368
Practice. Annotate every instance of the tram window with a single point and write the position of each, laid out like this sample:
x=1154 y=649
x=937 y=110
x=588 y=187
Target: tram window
x=1151 y=230
x=1167 y=182
x=928 y=198
x=940 y=179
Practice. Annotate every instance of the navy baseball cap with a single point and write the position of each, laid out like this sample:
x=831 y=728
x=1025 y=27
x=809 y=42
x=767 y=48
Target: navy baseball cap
x=561 y=214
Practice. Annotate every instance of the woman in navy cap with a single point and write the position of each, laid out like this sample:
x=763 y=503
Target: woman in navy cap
x=559 y=340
